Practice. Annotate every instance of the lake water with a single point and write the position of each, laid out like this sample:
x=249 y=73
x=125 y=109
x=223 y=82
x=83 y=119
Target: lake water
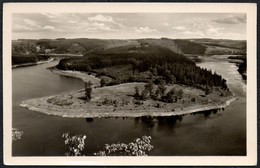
x=221 y=132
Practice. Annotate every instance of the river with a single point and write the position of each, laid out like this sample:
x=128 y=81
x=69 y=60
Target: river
x=214 y=133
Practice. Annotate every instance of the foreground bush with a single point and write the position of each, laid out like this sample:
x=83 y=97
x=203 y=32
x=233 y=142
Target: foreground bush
x=16 y=134
x=139 y=147
x=76 y=144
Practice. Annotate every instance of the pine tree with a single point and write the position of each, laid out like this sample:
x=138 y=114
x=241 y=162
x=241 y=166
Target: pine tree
x=88 y=90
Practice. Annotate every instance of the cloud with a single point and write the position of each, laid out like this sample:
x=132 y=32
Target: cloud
x=201 y=29
x=49 y=15
x=213 y=30
x=63 y=18
x=98 y=24
x=31 y=23
x=101 y=18
x=48 y=27
x=102 y=26
x=145 y=29
x=193 y=33
x=179 y=28
x=231 y=19
x=20 y=28
x=97 y=27
x=166 y=24
x=125 y=25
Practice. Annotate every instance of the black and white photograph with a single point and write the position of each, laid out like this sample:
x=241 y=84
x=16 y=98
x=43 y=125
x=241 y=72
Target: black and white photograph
x=161 y=81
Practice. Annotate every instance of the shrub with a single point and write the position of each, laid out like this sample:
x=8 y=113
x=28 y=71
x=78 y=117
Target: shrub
x=139 y=147
x=160 y=90
x=136 y=148
x=208 y=90
x=136 y=95
x=145 y=94
x=193 y=99
x=149 y=86
x=170 y=97
x=76 y=144
x=180 y=94
x=138 y=102
x=158 y=105
x=124 y=102
x=102 y=82
x=107 y=101
x=16 y=134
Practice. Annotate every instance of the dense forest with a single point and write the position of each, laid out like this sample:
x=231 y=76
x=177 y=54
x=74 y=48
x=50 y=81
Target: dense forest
x=143 y=64
x=189 y=47
x=242 y=67
x=22 y=59
x=26 y=52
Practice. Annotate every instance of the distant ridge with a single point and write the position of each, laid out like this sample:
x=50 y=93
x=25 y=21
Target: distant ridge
x=85 y=45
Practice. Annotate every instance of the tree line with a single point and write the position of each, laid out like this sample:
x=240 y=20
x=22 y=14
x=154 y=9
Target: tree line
x=21 y=59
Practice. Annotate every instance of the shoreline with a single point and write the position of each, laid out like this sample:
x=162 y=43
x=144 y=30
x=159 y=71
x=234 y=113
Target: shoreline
x=32 y=64
x=78 y=113
x=77 y=74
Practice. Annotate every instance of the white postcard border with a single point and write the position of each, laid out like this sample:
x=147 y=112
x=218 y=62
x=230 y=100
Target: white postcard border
x=248 y=8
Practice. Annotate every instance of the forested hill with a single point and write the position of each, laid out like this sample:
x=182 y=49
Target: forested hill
x=81 y=46
x=147 y=62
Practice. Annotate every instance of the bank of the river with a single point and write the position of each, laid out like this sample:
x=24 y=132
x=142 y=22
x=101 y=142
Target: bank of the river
x=42 y=105
x=240 y=61
x=118 y=101
x=77 y=74
x=32 y=64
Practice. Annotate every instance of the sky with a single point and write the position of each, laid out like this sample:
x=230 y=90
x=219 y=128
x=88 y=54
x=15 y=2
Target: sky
x=129 y=25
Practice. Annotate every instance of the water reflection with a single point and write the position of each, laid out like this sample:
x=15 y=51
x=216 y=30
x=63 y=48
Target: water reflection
x=164 y=125
x=150 y=121
x=170 y=120
x=208 y=113
x=89 y=119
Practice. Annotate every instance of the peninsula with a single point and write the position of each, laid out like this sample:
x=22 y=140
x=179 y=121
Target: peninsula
x=119 y=101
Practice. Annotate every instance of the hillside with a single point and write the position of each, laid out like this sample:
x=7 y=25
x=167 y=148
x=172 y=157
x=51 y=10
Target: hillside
x=235 y=44
x=84 y=45
x=145 y=63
